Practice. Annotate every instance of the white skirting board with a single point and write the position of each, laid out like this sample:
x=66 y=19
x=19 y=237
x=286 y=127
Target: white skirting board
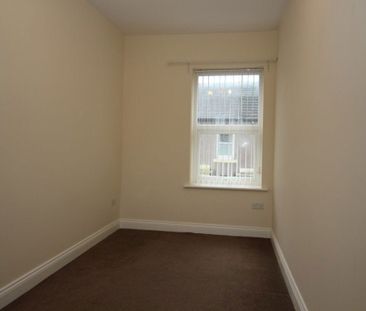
x=21 y=285
x=27 y=281
x=292 y=287
x=159 y=225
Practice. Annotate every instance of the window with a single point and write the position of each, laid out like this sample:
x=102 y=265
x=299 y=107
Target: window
x=225 y=146
x=227 y=128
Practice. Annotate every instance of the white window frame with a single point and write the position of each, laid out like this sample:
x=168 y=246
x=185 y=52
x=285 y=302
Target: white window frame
x=221 y=129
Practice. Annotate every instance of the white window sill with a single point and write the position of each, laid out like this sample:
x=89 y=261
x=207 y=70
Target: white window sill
x=209 y=187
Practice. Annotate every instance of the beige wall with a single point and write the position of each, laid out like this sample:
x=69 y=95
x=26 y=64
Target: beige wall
x=60 y=94
x=156 y=129
x=320 y=174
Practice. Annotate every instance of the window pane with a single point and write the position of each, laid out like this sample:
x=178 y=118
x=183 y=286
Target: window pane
x=228 y=99
x=224 y=149
x=237 y=168
x=226 y=138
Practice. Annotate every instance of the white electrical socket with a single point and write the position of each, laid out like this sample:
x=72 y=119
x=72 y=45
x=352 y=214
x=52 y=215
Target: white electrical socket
x=257 y=206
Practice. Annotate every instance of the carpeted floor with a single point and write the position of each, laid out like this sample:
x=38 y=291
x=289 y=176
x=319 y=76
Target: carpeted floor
x=146 y=270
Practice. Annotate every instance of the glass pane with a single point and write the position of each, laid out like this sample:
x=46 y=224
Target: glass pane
x=232 y=163
x=228 y=99
x=226 y=138
x=224 y=149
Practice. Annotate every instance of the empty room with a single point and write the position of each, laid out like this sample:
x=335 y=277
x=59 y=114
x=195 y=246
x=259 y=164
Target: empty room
x=171 y=155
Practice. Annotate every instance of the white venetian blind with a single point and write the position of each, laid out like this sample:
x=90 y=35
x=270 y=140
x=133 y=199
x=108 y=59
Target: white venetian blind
x=227 y=128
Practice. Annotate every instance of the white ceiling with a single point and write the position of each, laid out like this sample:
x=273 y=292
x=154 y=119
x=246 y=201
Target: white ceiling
x=192 y=16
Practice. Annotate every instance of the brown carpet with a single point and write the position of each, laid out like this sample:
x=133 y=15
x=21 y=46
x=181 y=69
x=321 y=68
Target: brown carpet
x=146 y=270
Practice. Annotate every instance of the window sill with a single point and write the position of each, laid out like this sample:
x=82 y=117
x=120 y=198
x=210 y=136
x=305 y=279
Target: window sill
x=209 y=187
